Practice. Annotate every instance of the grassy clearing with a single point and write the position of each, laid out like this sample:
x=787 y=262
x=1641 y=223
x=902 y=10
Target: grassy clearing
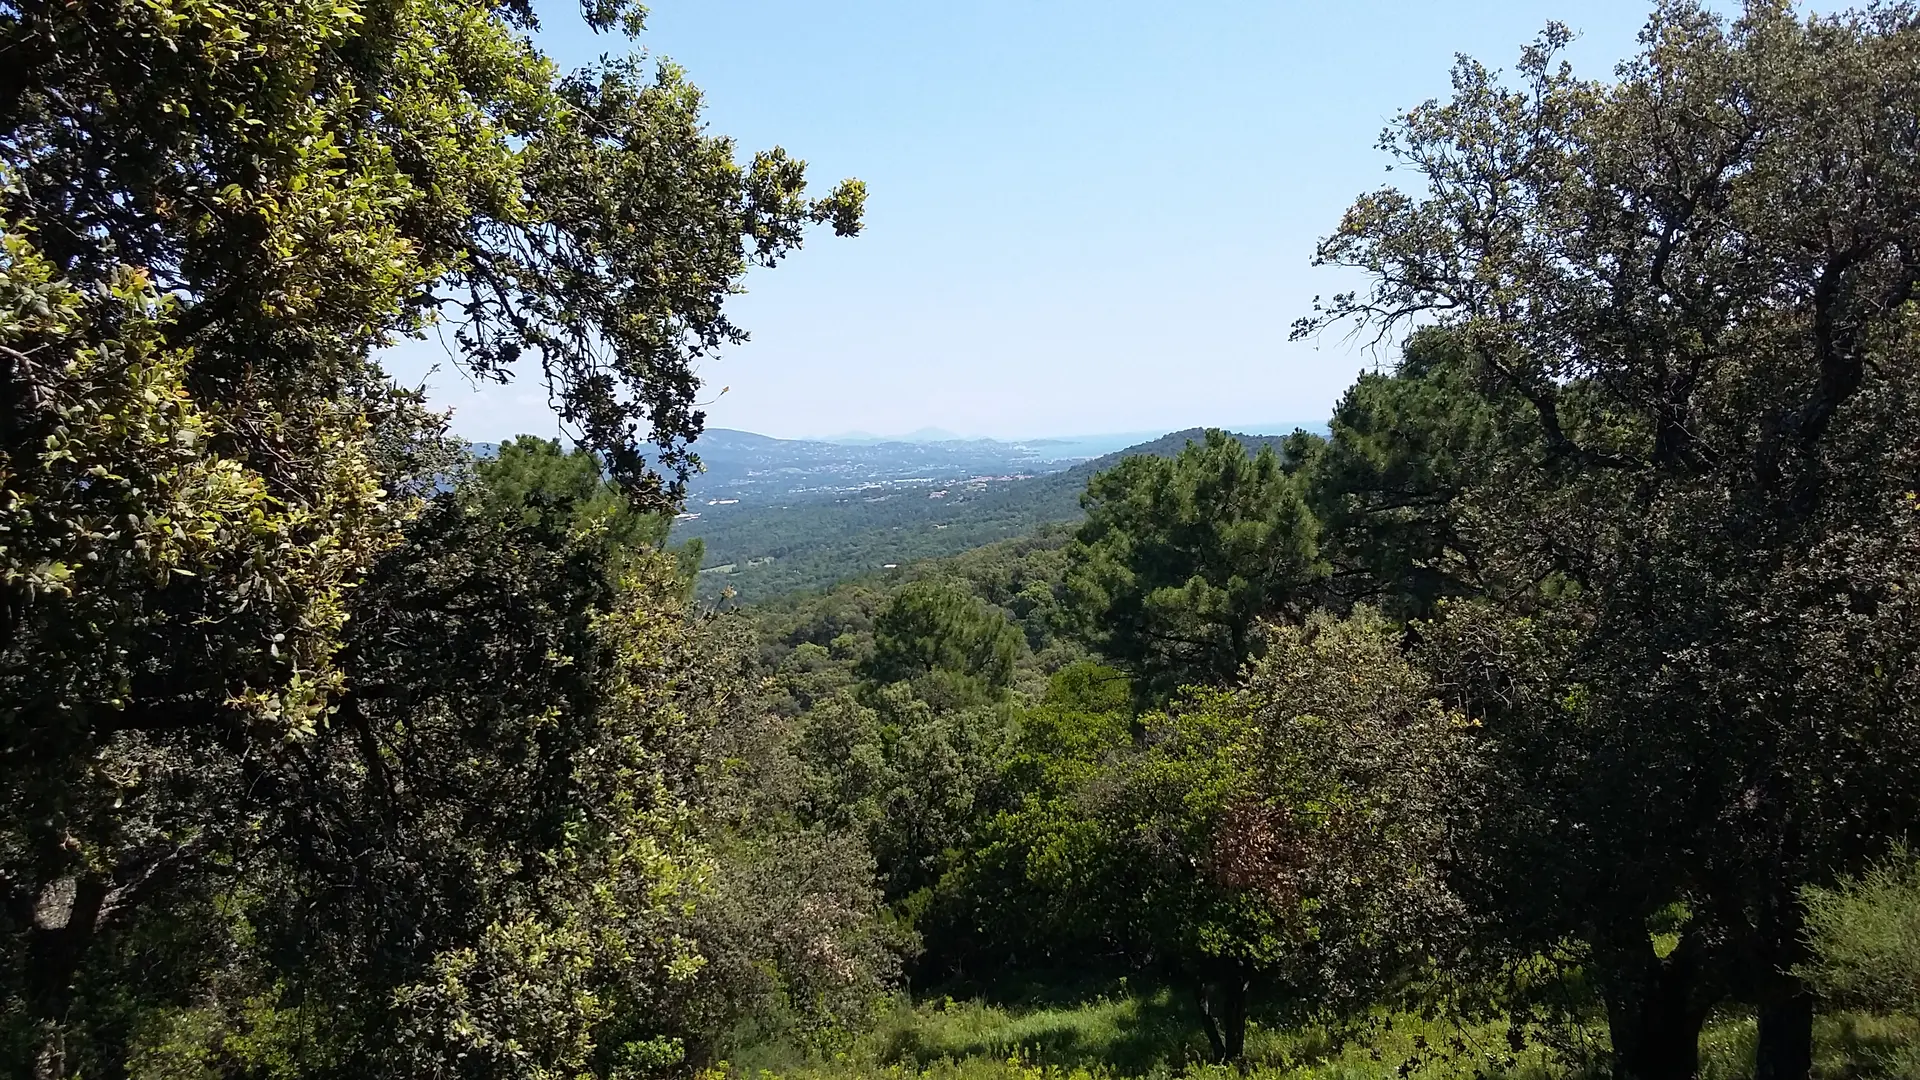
x=1120 y=1035
x=1154 y=1036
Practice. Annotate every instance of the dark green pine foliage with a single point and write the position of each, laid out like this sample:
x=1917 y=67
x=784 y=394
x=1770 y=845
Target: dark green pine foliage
x=537 y=482
x=935 y=627
x=535 y=478
x=1181 y=559
x=1385 y=485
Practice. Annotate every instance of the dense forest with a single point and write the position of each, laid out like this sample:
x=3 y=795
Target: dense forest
x=1551 y=715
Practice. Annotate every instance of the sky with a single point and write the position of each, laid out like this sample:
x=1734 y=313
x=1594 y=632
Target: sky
x=1082 y=216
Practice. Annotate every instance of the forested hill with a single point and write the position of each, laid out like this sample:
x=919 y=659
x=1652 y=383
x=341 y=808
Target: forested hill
x=761 y=549
x=1173 y=442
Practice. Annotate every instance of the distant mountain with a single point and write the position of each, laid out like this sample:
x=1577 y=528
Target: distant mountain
x=1173 y=442
x=727 y=440
x=746 y=468
x=762 y=548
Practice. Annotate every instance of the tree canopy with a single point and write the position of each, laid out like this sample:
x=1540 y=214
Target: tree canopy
x=214 y=217
x=1699 y=280
x=934 y=627
x=1180 y=559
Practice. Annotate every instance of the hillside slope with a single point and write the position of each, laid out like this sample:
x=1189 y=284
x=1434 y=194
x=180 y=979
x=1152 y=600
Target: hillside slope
x=769 y=549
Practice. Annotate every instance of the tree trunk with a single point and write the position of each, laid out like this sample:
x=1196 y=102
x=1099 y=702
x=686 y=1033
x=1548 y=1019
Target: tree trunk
x=1215 y=1042
x=1654 y=1039
x=1655 y=1011
x=1223 y=1016
x=1233 y=1020
x=1783 y=1044
x=65 y=920
x=1783 y=1048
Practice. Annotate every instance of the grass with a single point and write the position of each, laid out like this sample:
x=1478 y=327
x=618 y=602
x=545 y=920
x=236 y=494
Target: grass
x=1128 y=1033
x=1117 y=1035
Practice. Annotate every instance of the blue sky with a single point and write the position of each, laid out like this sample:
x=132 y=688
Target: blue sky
x=1082 y=217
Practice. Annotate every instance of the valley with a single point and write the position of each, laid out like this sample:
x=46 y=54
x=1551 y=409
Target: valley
x=780 y=517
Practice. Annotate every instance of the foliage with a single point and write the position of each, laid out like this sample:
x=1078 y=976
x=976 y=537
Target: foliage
x=534 y=477
x=1285 y=838
x=909 y=776
x=1388 y=485
x=763 y=555
x=1865 y=937
x=1275 y=845
x=214 y=215
x=793 y=950
x=1007 y=908
x=815 y=642
x=172 y=599
x=1567 y=682
x=1699 y=280
x=1180 y=559
x=931 y=627
x=535 y=860
x=905 y=696
x=234 y=154
x=501 y=841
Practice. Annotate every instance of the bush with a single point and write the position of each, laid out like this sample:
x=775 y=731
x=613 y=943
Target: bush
x=1865 y=936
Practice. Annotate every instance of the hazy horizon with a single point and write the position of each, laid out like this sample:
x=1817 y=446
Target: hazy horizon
x=1118 y=439
x=929 y=434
